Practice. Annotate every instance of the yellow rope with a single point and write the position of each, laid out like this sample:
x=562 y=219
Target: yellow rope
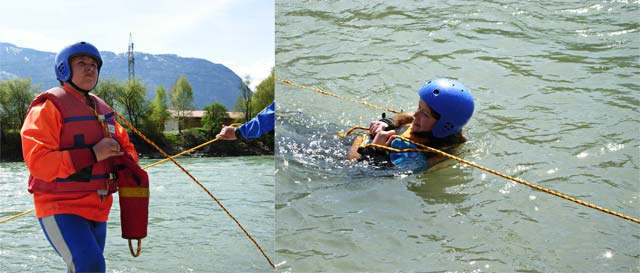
x=350 y=131
x=16 y=216
x=126 y=122
x=425 y=149
x=429 y=149
x=135 y=254
x=186 y=151
x=145 y=167
x=179 y=154
x=338 y=96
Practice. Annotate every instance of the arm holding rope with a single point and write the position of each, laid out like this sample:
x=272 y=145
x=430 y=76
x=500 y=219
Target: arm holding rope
x=387 y=124
x=382 y=132
x=261 y=124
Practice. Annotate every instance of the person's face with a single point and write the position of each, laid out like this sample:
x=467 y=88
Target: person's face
x=423 y=119
x=84 y=72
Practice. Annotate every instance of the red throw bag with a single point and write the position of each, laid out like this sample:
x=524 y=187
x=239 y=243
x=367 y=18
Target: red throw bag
x=133 y=184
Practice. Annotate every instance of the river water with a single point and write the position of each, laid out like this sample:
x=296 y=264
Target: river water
x=187 y=230
x=556 y=87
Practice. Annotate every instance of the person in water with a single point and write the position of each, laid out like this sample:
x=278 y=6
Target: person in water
x=260 y=125
x=70 y=140
x=445 y=106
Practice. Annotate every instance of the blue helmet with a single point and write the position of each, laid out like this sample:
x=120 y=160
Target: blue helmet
x=452 y=101
x=63 y=67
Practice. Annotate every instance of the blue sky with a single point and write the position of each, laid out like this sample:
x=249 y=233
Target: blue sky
x=236 y=33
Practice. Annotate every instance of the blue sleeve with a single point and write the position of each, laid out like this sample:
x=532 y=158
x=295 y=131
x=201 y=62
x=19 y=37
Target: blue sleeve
x=413 y=161
x=263 y=123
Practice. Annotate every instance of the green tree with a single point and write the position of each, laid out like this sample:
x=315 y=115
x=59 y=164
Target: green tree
x=110 y=90
x=15 y=98
x=243 y=104
x=158 y=109
x=155 y=117
x=212 y=119
x=264 y=94
x=181 y=100
x=133 y=100
x=238 y=106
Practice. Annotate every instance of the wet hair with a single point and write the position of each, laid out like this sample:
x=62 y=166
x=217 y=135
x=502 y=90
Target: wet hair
x=435 y=114
x=425 y=138
x=428 y=139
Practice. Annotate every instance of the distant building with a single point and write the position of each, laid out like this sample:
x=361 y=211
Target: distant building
x=194 y=119
x=234 y=116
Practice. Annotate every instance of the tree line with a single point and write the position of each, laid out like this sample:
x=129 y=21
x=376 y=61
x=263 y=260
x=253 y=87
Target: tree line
x=149 y=116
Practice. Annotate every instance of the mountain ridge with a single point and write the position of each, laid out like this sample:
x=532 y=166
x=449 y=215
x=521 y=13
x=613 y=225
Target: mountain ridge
x=211 y=82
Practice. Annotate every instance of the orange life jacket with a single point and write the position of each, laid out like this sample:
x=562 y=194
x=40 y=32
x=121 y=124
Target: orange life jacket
x=81 y=129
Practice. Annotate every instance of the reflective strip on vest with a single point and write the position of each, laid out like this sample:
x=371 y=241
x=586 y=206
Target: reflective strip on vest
x=133 y=192
x=107 y=118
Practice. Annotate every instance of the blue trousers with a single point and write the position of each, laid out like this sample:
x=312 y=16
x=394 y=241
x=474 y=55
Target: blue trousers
x=79 y=241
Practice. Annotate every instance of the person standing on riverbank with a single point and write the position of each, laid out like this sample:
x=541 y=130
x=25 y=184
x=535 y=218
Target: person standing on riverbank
x=261 y=124
x=69 y=139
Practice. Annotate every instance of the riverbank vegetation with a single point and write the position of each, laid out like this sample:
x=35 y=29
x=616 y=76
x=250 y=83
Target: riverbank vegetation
x=168 y=108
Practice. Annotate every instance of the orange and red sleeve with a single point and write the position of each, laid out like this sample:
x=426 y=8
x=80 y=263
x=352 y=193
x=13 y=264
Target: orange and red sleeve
x=125 y=144
x=41 y=145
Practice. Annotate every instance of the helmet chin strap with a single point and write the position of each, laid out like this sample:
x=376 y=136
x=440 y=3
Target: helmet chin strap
x=423 y=134
x=80 y=89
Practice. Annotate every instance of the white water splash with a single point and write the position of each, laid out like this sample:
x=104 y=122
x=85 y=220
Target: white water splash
x=582 y=155
x=614 y=147
x=506 y=187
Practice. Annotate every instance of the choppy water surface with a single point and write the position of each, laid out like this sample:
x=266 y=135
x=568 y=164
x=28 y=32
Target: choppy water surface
x=187 y=231
x=556 y=89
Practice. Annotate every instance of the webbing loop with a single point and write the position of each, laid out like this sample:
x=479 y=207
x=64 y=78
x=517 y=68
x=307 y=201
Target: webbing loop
x=137 y=252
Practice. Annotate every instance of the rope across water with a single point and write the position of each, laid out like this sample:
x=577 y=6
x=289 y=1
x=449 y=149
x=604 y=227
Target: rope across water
x=424 y=148
x=427 y=149
x=199 y=184
x=171 y=158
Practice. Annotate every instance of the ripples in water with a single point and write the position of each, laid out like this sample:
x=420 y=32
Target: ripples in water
x=556 y=95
